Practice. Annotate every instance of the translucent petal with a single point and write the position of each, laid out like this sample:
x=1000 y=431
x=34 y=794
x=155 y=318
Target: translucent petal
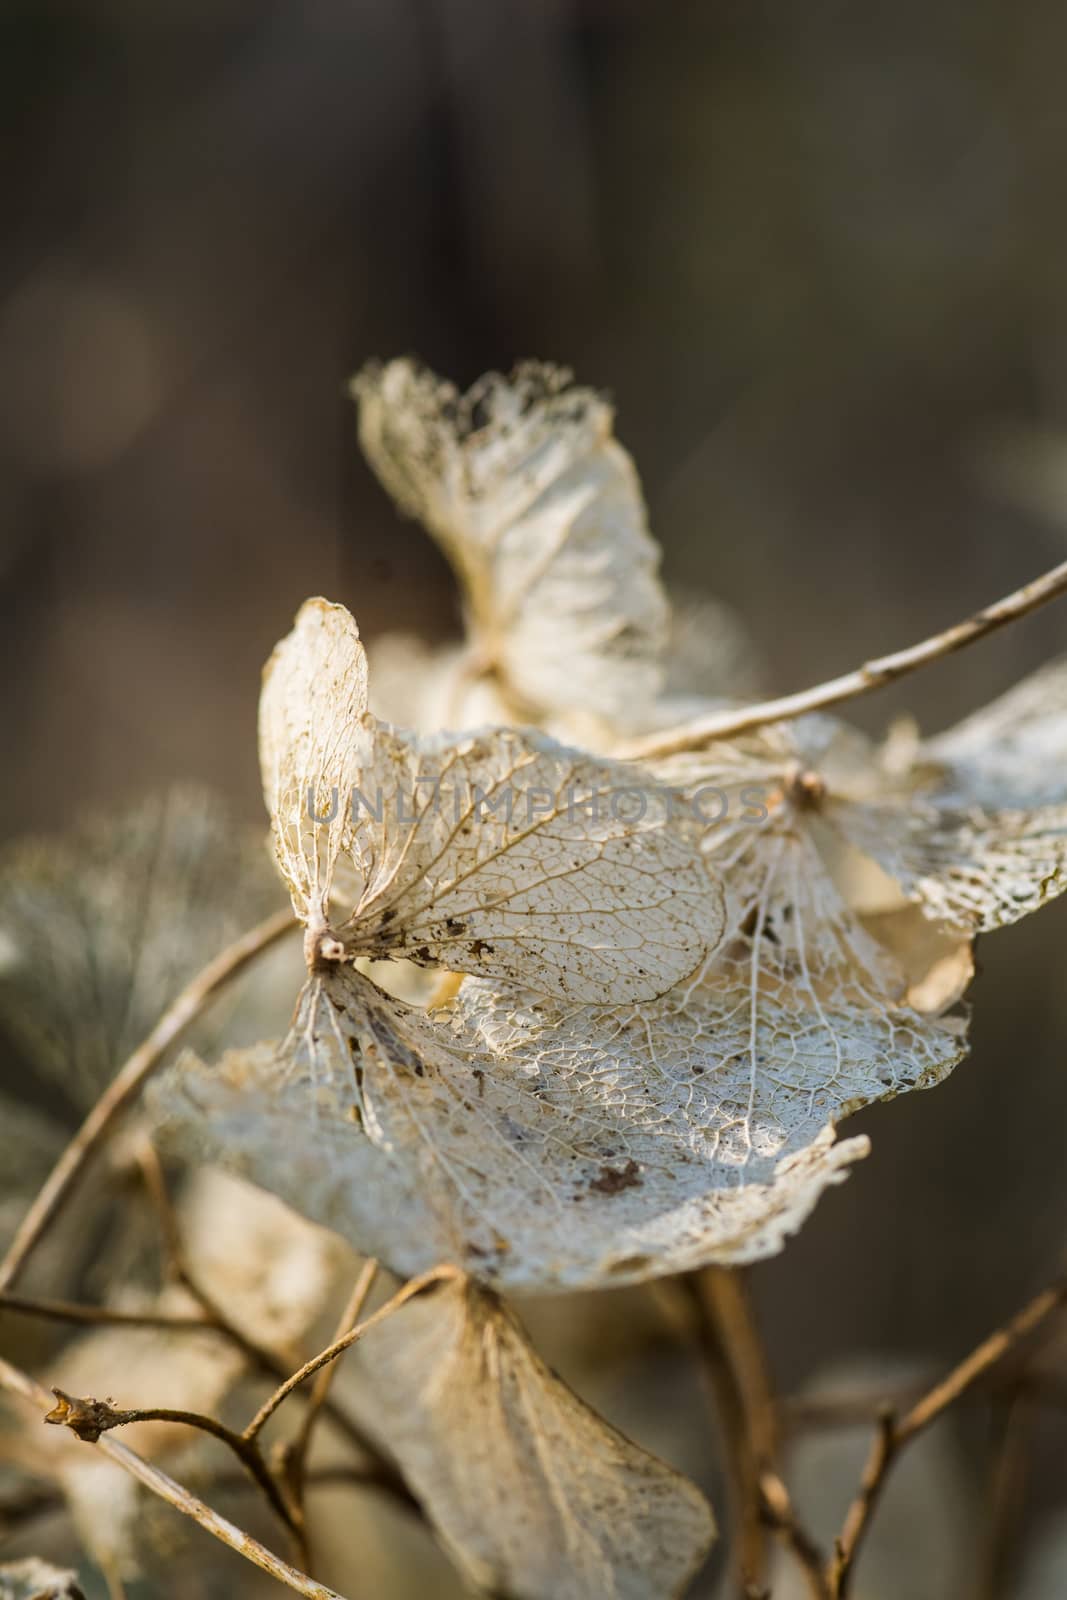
x=802 y=978
x=533 y=1494
x=973 y=823
x=540 y=511
x=538 y=1149
x=498 y=852
x=503 y=853
x=311 y=747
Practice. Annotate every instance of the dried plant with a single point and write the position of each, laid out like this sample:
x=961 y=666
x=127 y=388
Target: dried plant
x=597 y=954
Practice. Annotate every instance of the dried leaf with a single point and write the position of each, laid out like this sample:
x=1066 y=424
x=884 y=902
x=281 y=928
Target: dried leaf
x=313 y=744
x=973 y=823
x=533 y=1494
x=540 y=512
x=499 y=853
x=538 y=1149
x=801 y=988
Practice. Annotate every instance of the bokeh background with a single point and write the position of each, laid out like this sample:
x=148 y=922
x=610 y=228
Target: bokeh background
x=817 y=254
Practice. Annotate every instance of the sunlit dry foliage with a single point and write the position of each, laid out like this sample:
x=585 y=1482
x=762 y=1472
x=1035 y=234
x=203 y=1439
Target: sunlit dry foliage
x=548 y=1037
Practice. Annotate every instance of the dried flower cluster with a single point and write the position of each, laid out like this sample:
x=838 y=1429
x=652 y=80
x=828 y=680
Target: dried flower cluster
x=560 y=1025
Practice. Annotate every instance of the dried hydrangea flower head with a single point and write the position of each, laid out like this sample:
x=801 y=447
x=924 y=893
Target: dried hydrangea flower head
x=851 y=911
x=820 y=982
x=533 y=1139
x=427 y=1146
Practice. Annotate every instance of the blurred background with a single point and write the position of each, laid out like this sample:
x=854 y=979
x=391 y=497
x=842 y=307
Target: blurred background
x=817 y=255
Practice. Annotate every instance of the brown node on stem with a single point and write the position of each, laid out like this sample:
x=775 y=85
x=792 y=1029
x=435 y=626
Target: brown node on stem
x=322 y=949
x=88 y=1418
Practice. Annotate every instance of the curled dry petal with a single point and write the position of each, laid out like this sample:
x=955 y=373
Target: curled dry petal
x=973 y=823
x=312 y=747
x=540 y=511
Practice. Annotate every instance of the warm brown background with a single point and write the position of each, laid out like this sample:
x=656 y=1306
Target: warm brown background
x=817 y=253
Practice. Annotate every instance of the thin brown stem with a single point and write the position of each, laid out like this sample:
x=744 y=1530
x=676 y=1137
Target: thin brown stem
x=413 y=1287
x=780 y=1515
x=297 y=1454
x=739 y=1374
x=20 y=1383
x=893 y=1435
x=109 y=1316
x=90 y=1418
x=873 y=674
x=180 y=1271
x=127 y=1084
x=1015 y=1419
x=380 y=1471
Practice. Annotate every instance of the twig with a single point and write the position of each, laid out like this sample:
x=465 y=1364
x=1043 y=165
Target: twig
x=801 y=1413
x=296 y=1456
x=846 y=1546
x=17 y=1382
x=871 y=675
x=737 y=1368
x=128 y=1082
x=753 y=1431
x=381 y=1472
x=177 y=1263
x=780 y=1514
x=69 y=1311
x=892 y=1435
x=413 y=1287
x=89 y=1419
x=1007 y=1493
x=724 y=1393
x=726 y=1295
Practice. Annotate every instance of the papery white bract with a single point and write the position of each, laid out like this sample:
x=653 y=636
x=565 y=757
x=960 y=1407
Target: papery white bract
x=814 y=979
x=536 y=1147
x=540 y=511
x=531 y=1492
x=973 y=823
x=500 y=852
x=312 y=748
